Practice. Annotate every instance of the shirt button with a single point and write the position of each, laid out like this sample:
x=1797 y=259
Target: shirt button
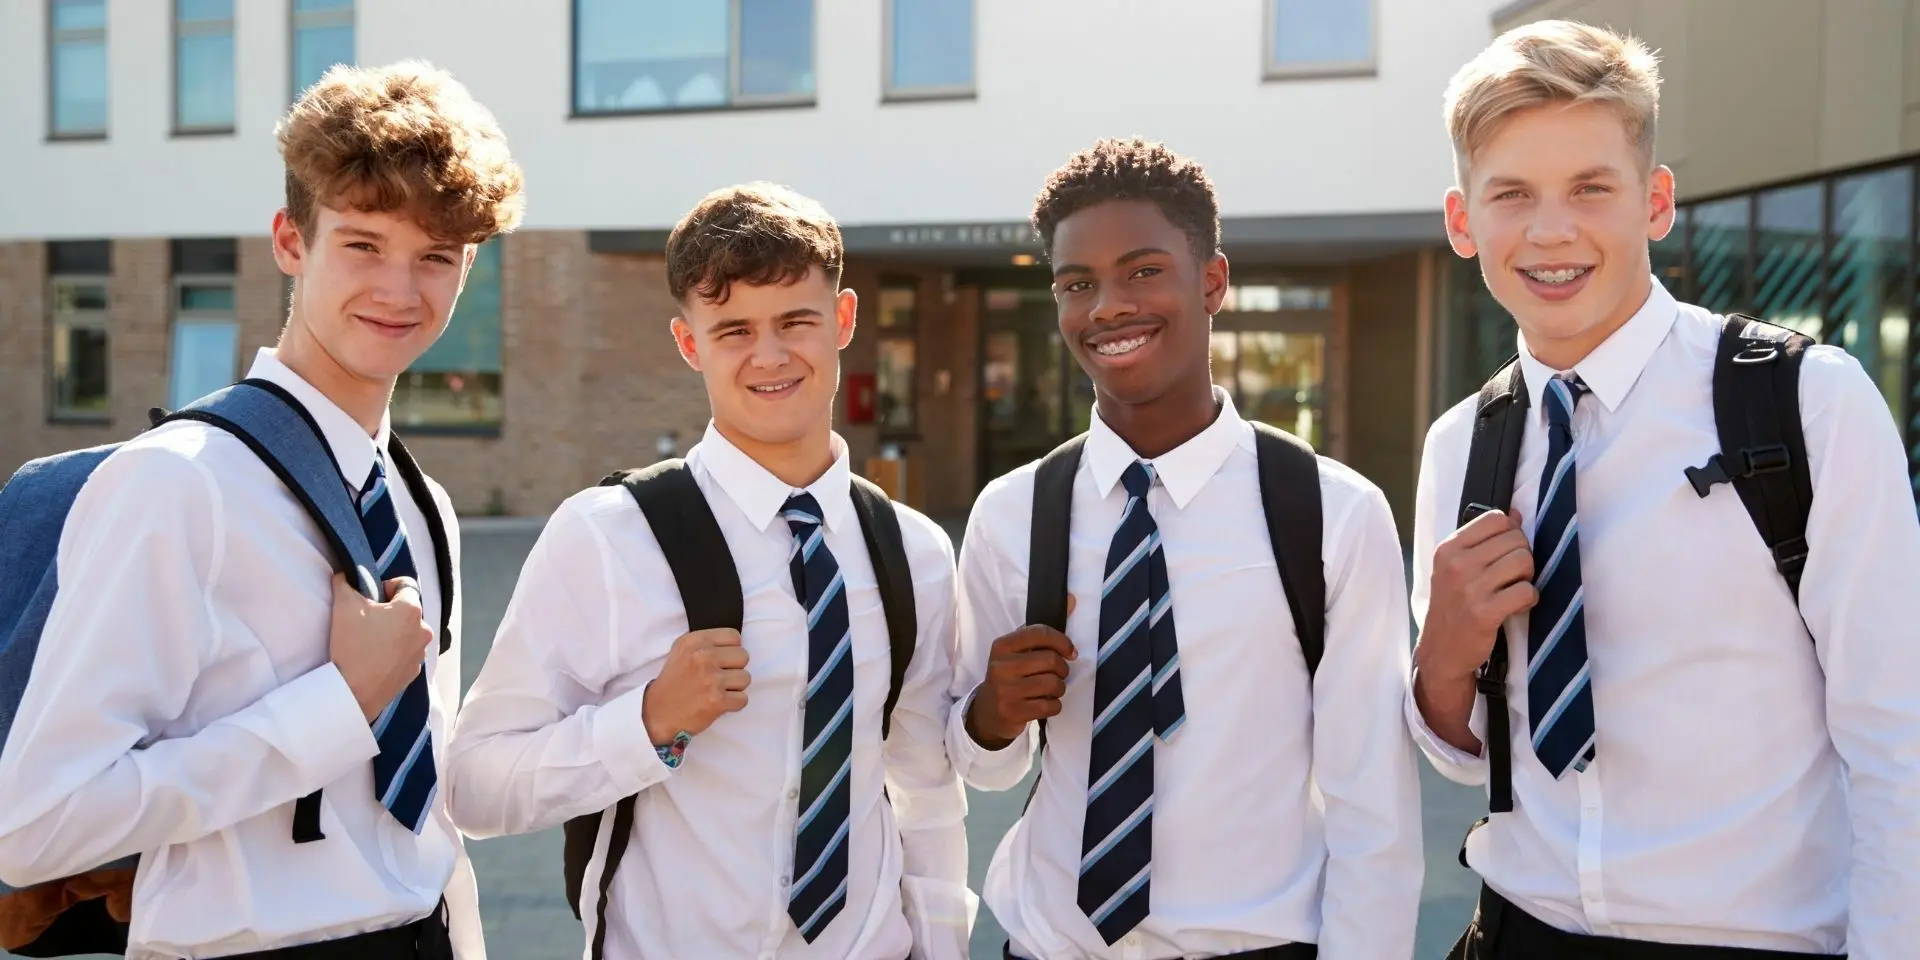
x=786 y=881
x=793 y=794
x=1133 y=939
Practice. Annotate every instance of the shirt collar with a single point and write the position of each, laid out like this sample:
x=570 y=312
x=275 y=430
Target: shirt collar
x=761 y=495
x=1185 y=469
x=1613 y=367
x=352 y=449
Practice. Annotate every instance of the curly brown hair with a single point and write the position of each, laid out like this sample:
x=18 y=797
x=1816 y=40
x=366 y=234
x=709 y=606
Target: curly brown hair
x=1133 y=169
x=755 y=233
x=406 y=137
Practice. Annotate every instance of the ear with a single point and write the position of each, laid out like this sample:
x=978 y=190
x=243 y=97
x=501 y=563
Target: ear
x=683 y=339
x=1660 y=203
x=844 y=308
x=289 y=248
x=1459 y=233
x=1213 y=282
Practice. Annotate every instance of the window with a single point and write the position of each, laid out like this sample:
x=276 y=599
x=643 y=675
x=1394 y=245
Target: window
x=1718 y=253
x=1668 y=257
x=206 y=337
x=322 y=37
x=455 y=386
x=1787 y=285
x=633 y=56
x=77 y=60
x=77 y=329
x=1276 y=377
x=895 y=400
x=929 y=49
x=1869 y=267
x=1319 y=38
x=203 y=66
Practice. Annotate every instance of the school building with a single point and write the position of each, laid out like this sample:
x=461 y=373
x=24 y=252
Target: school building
x=135 y=269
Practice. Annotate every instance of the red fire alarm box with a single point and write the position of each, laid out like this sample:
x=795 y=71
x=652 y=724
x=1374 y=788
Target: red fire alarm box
x=860 y=397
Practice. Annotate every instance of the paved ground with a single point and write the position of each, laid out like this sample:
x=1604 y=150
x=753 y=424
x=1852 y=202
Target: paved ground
x=525 y=912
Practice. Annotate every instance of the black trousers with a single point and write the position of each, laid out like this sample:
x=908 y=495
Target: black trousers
x=1291 y=951
x=423 y=939
x=1502 y=931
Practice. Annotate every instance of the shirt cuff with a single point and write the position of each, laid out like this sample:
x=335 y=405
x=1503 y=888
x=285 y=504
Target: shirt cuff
x=316 y=723
x=940 y=913
x=631 y=761
x=987 y=769
x=1453 y=763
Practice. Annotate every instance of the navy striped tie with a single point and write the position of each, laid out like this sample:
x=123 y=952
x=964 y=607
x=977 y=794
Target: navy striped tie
x=1136 y=695
x=819 y=888
x=403 y=772
x=1559 y=688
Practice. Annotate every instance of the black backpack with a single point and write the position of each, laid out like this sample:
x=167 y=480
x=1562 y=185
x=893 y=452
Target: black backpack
x=1289 y=491
x=697 y=553
x=1763 y=453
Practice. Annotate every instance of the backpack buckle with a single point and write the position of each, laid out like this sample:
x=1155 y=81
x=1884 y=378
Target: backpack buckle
x=1488 y=684
x=1789 y=556
x=1703 y=477
x=1772 y=458
x=1758 y=351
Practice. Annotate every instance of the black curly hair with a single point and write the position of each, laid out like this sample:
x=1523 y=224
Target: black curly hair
x=1135 y=169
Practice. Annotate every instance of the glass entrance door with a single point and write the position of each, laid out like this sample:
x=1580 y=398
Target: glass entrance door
x=1275 y=369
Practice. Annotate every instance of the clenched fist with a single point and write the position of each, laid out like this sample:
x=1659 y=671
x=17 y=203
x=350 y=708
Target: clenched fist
x=1482 y=575
x=378 y=647
x=1026 y=677
x=705 y=676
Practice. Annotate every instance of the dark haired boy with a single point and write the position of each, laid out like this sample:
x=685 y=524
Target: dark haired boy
x=1204 y=791
x=759 y=825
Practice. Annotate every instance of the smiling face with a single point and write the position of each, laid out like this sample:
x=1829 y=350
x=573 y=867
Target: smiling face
x=1135 y=300
x=372 y=291
x=1559 y=209
x=770 y=357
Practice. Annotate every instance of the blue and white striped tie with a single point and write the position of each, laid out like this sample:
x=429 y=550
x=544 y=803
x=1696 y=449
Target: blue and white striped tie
x=403 y=772
x=1136 y=695
x=819 y=888
x=1559 y=687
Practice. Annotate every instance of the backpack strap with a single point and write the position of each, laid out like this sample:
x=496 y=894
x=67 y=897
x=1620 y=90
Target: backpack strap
x=284 y=435
x=703 y=568
x=888 y=553
x=416 y=481
x=1499 y=422
x=1763 y=445
x=1050 y=531
x=1290 y=496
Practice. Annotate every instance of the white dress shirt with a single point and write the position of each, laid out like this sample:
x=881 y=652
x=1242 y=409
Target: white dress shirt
x=552 y=730
x=1281 y=814
x=182 y=700
x=1716 y=810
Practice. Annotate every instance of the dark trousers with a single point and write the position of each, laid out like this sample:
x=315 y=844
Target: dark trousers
x=1502 y=931
x=1291 y=951
x=423 y=939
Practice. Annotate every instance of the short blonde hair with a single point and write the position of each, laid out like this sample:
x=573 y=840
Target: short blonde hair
x=1553 y=61
x=403 y=138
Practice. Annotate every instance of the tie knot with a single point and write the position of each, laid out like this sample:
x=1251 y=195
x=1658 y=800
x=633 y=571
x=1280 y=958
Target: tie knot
x=1563 y=394
x=375 y=475
x=802 y=512
x=1137 y=478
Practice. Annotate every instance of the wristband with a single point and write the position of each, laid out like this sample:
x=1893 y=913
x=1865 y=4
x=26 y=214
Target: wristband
x=674 y=750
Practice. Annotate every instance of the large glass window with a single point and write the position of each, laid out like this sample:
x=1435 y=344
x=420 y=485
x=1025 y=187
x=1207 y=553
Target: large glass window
x=929 y=48
x=322 y=37
x=1719 y=250
x=1787 y=288
x=77 y=367
x=205 y=352
x=203 y=66
x=455 y=385
x=1870 y=268
x=646 y=55
x=77 y=70
x=1319 y=37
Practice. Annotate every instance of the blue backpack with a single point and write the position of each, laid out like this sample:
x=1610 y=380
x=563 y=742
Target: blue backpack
x=33 y=511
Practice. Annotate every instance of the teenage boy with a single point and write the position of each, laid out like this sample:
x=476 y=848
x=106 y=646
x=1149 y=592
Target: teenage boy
x=773 y=818
x=1700 y=767
x=198 y=674
x=1210 y=793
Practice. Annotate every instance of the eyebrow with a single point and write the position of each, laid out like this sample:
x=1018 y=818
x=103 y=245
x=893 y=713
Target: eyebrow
x=1124 y=258
x=1591 y=173
x=359 y=232
x=735 y=323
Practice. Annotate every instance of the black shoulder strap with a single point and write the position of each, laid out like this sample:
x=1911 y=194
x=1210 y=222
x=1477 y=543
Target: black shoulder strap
x=1051 y=529
x=703 y=568
x=1290 y=494
x=888 y=553
x=416 y=481
x=1763 y=445
x=1499 y=421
